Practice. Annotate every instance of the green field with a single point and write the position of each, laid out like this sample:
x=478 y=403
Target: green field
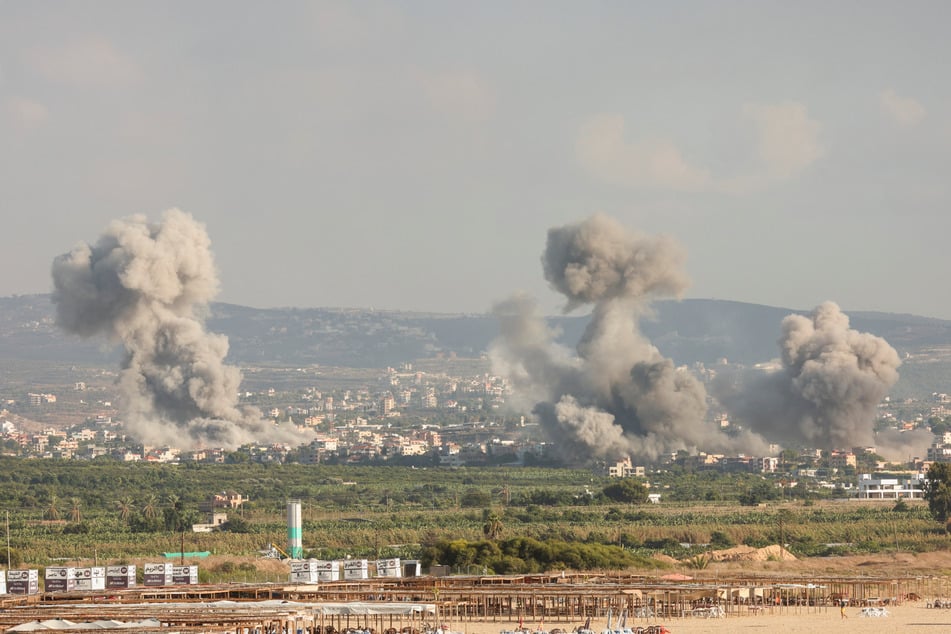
x=498 y=519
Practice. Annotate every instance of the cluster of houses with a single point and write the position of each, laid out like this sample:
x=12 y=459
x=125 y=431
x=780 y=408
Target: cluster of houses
x=878 y=485
x=75 y=442
x=402 y=390
x=354 y=440
x=372 y=424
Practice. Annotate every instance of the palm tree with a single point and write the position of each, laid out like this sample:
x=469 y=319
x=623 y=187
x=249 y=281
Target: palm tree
x=173 y=514
x=174 y=502
x=504 y=494
x=125 y=506
x=492 y=528
x=52 y=510
x=75 y=513
x=150 y=508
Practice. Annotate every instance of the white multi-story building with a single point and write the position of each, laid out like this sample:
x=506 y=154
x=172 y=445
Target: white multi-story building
x=414 y=448
x=624 y=469
x=769 y=464
x=41 y=399
x=887 y=487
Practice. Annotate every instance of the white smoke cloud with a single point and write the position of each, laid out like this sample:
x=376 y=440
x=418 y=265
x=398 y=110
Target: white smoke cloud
x=147 y=286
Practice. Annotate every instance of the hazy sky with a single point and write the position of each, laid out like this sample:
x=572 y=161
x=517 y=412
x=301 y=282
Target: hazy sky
x=413 y=155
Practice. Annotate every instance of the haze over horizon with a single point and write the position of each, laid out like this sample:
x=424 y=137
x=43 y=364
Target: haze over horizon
x=412 y=157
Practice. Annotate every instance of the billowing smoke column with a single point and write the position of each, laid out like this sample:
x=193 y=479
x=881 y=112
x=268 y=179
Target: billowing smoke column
x=619 y=395
x=147 y=287
x=827 y=391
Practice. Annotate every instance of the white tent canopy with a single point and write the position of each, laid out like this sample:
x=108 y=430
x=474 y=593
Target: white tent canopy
x=359 y=608
x=382 y=609
x=63 y=624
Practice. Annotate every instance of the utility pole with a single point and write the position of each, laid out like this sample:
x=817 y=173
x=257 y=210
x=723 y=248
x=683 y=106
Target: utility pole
x=782 y=537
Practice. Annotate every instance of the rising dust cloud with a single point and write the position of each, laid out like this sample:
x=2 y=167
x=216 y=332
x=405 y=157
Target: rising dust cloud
x=616 y=394
x=147 y=287
x=827 y=391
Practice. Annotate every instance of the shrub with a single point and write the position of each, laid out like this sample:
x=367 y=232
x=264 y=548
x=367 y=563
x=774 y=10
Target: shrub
x=226 y=567
x=80 y=528
x=720 y=540
x=665 y=543
x=698 y=562
x=474 y=498
x=626 y=491
x=15 y=558
x=236 y=524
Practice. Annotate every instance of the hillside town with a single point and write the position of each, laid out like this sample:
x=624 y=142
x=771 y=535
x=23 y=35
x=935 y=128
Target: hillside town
x=410 y=417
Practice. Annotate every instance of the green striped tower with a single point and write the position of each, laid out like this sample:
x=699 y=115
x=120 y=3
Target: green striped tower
x=295 y=546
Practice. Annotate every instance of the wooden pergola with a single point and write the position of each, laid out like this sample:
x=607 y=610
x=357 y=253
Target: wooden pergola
x=561 y=598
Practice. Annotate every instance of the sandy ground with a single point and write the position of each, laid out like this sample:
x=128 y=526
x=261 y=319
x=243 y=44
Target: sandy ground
x=910 y=616
x=914 y=617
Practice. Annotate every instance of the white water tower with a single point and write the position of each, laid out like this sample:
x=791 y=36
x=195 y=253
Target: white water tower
x=295 y=546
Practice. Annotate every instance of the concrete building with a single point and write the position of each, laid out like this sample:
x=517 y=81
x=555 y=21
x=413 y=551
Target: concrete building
x=623 y=468
x=215 y=520
x=940 y=449
x=891 y=487
x=842 y=459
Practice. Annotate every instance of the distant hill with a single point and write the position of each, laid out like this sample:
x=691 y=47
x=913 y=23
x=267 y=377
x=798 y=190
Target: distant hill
x=693 y=330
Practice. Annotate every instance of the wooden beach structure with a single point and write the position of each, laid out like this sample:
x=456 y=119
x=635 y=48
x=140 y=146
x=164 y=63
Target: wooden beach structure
x=417 y=604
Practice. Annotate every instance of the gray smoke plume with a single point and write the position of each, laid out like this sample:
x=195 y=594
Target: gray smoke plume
x=618 y=395
x=826 y=394
x=147 y=286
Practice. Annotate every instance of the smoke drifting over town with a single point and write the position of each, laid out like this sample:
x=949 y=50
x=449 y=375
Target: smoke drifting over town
x=827 y=391
x=617 y=395
x=147 y=286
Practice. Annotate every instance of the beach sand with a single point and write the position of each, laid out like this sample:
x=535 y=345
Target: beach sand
x=914 y=617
